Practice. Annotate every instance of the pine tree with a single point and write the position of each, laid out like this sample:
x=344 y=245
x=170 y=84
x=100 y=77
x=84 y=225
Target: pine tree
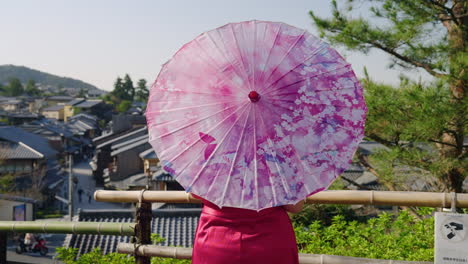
x=14 y=87
x=141 y=92
x=128 y=88
x=423 y=34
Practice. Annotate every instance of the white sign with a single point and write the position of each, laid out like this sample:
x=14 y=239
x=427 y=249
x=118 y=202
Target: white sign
x=451 y=238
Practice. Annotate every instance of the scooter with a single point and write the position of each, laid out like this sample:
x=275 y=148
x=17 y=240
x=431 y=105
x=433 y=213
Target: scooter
x=40 y=246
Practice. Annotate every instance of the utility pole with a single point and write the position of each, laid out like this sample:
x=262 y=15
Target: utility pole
x=70 y=185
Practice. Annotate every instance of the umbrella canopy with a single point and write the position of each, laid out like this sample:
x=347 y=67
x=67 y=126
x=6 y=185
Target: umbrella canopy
x=255 y=115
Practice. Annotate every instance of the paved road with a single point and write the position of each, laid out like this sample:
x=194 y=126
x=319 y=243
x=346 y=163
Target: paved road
x=86 y=182
x=53 y=241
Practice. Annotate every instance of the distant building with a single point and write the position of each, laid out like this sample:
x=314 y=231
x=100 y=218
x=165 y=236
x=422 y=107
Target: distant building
x=68 y=107
x=26 y=155
x=54 y=112
x=59 y=99
x=16 y=208
x=11 y=105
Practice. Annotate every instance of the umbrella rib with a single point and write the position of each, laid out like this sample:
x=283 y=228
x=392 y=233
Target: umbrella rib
x=285 y=55
x=277 y=168
x=239 y=51
x=221 y=52
x=194 y=122
x=218 y=145
x=195 y=142
x=270 y=51
x=212 y=154
x=234 y=159
x=255 y=153
x=301 y=80
x=216 y=68
x=252 y=66
x=302 y=62
x=245 y=171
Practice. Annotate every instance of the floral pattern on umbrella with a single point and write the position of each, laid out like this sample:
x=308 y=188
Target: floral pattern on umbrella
x=256 y=114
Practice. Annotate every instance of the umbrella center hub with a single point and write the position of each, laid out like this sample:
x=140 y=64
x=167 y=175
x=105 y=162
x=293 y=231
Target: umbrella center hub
x=254 y=96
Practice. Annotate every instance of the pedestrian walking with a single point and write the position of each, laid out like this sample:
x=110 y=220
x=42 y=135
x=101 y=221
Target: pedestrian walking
x=80 y=193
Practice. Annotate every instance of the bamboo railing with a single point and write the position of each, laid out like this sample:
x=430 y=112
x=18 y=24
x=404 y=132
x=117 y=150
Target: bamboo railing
x=429 y=199
x=186 y=253
x=122 y=229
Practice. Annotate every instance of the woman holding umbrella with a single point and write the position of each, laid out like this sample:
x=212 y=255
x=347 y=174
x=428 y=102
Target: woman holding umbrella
x=252 y=118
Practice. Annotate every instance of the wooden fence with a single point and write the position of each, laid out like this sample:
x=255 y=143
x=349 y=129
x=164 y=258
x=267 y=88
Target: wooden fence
x=142 y=228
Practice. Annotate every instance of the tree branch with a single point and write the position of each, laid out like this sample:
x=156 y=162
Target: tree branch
x=449 y=11
x=443 y=143
x=361 y=187
x=381 y=140
x=425 y=66
x=387 y=184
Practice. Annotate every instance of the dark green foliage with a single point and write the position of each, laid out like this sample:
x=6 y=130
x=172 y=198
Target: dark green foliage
x=123 y=106
x=7 y=183
x=123 y=89
x=13 y=88
x=386 y=237
x=129 y=90
x=410 y=121
x=423 y=126
x=68 y=256
x=324 y=213
x=142 y=92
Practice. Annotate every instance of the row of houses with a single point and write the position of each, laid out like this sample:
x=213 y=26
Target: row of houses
x=54 y=107
x=125 y=160
x=33 y=154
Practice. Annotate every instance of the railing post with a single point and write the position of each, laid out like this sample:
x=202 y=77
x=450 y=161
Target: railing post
x=3 y=248
x=143 y=229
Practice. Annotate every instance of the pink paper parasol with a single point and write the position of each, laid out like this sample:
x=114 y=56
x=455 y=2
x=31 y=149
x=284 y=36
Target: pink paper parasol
x=255 y=115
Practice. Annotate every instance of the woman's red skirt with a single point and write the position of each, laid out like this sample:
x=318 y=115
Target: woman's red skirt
x=240 y=236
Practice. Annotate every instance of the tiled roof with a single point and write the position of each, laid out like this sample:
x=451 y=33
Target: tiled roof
x=75 y=101
x=16 y=198
x=11 y=101
x=128 y=142
x=177 y=226
x=88 y=103
x=130 y=135
x=83 y=116
x=131 y=146
x=162 y=176
x=53 y=108
x=59 y=98
x=34 y=141
x=13 y=150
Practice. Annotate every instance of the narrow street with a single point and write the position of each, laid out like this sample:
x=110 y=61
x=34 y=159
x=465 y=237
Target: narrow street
x=82 y=171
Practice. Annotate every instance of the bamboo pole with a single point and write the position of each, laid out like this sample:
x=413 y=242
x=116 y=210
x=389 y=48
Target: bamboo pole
x=143 y=229
x=186 y=253
x=430 y=199
x=123 y=229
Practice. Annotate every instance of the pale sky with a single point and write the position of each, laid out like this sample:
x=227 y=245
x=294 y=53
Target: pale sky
x=96 y=41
